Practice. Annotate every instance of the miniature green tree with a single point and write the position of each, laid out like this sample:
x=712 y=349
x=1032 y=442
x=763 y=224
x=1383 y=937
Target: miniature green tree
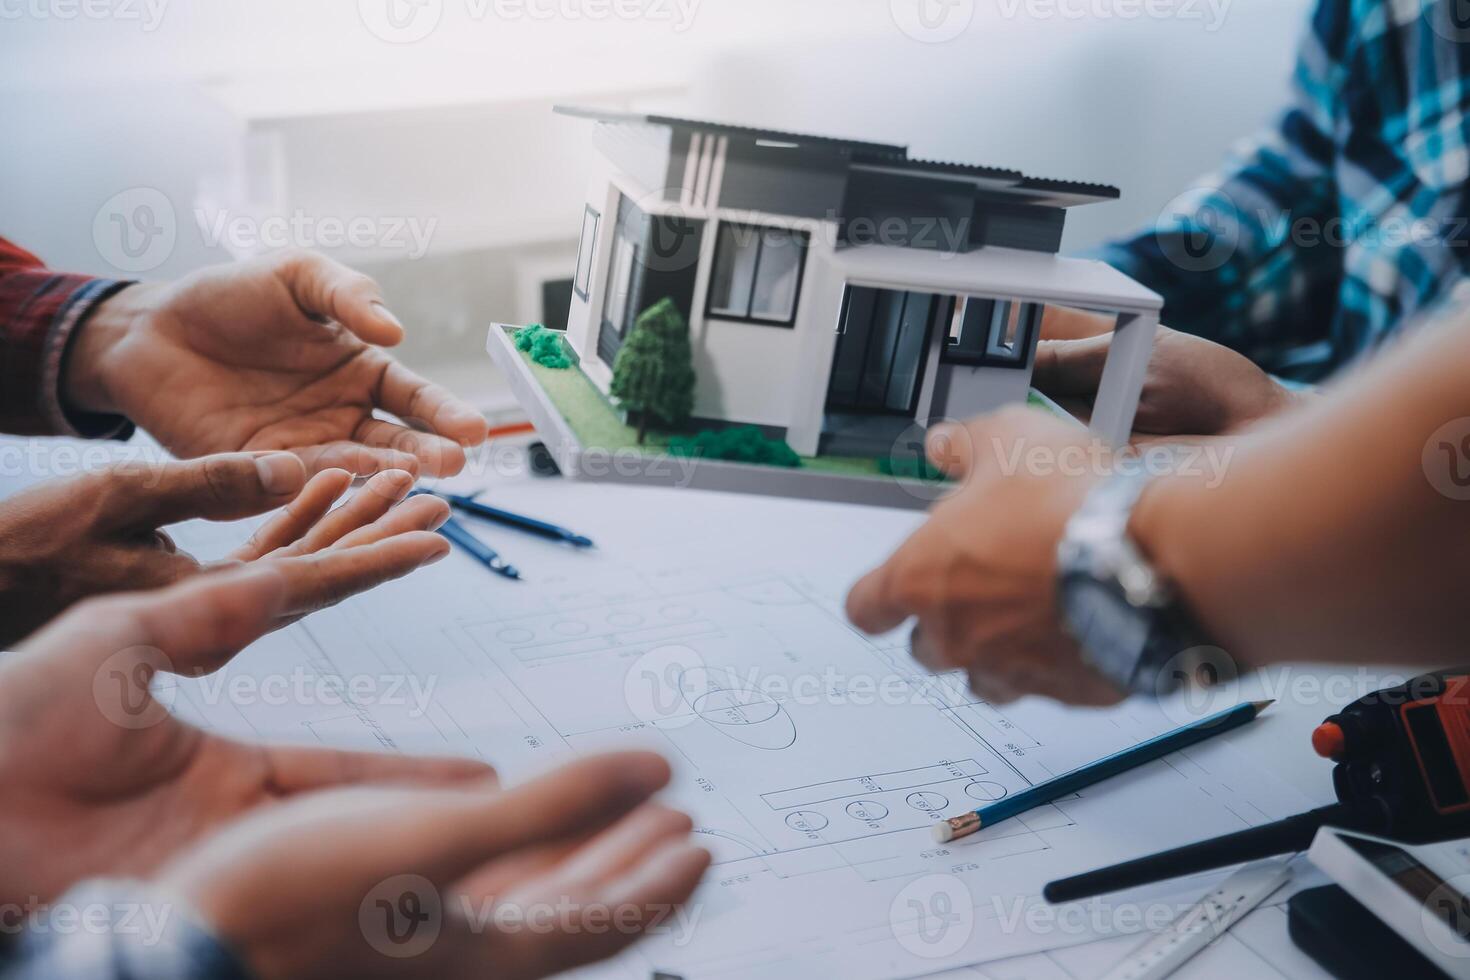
x=653 y=375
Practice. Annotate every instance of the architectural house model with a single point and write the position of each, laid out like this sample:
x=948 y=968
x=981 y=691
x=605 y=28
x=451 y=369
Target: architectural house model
x=838 y=294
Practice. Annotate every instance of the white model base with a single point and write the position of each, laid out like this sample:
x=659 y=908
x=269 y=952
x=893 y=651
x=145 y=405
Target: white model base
x=598 y=464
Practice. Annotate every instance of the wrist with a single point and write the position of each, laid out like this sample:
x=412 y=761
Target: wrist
x=90 y=358
x=1165 y=528
x=1278 y=399
x=1154 y=527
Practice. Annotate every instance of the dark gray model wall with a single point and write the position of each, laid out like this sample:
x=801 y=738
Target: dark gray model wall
x=1012 y=225
x=796 y=181
x=943 y=214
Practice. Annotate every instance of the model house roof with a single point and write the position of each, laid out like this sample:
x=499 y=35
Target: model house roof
x=1084 y=283
x=775 y=136
x=871 y=157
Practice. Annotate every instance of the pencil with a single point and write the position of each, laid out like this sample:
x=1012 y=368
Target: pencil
x=518 y=521
x=481 y=552
x=1095 y=772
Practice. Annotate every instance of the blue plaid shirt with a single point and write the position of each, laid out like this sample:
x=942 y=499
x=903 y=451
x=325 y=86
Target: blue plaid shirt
x=117 y=930
x=1330 y=231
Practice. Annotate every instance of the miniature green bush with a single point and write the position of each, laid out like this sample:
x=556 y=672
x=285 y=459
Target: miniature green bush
x=912 y=468
x=742 y=444
x=546 y=347
x=653 y=375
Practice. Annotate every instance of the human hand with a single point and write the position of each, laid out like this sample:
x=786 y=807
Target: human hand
x=1193 y=387
x=101 y=780
x=454 y=882
x=980 y=575
x=66 y=540
x=278 y=353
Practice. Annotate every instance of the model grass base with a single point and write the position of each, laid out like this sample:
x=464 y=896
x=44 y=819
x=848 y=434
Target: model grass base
x=590 y=441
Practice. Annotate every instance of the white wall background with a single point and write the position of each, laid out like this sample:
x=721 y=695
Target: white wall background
x=100 y=96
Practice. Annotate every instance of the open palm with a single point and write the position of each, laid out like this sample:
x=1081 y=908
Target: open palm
x=102 y=780
x=278 y=353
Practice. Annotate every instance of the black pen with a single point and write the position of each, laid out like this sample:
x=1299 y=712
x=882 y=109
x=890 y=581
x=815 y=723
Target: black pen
x=521 y=523
x=481 y=552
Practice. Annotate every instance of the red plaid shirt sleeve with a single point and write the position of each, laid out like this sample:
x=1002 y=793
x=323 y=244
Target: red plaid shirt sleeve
x=40 y=312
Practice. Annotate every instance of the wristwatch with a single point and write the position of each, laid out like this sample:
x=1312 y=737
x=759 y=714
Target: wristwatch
x=1123 y=614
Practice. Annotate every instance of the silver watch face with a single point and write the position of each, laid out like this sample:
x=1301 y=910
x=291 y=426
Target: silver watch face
x=1111 y=632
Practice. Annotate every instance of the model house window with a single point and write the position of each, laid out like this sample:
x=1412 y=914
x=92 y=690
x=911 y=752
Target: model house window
x=582 y=283
x=992 y=332
x=757 y=274
x=620 y=285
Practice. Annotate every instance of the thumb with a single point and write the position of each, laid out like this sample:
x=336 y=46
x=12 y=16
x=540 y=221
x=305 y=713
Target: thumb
x=1071 y=367
x=202 y=622
x=121 y=641
x=950 y=447
x=225 y=487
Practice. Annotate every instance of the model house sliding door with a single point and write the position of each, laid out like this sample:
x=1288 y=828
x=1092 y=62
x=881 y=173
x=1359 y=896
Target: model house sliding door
x=879 y=363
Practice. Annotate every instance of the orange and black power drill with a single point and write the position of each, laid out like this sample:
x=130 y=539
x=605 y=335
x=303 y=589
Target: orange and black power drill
x=1403 y=771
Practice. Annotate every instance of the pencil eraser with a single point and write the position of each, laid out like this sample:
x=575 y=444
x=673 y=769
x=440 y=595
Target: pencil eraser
x=943 y=832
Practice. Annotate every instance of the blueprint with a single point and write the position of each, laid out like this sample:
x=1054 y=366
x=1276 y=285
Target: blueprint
x=813 y=759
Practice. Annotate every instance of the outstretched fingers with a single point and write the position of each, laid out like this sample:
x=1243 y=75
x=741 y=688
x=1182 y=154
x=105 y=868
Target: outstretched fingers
x=326 y=578
x=298 y=517
x=302 y=769
x=376 y=498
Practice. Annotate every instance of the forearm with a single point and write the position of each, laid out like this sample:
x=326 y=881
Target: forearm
x=41 y=315
x=1326 y=539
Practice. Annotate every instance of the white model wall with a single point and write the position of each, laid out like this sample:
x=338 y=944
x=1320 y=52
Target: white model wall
x=969 y=390
x=764 y=375
x=584 y=315
x=746 y=372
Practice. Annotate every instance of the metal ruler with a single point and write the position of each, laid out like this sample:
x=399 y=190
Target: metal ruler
x=1202 y=923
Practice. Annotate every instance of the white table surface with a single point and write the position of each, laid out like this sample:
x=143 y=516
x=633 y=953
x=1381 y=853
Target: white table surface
x=802 y=533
